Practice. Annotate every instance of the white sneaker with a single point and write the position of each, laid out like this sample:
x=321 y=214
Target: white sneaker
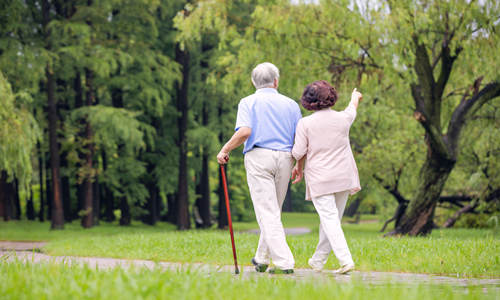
x=315 y=265
x=344 y=269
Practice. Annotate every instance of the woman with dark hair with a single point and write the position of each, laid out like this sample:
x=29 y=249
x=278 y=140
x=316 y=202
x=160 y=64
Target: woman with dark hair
x=330 y=172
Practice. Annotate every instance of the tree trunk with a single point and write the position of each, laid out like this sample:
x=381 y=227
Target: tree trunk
x=352 y=209
x=88 y=219
x=400 y=210
x=6 y=197
x=125 y=218
x=17 y=200
x=57 y=213
x=204 y=204
x=183 y=221
x=30 y=209
x=48 y=189
x=96 y=205
x=109 y=215
x=66 y=191
x=171 y=209
x=204 y=184
x=80 y=194
x=2 y=197
x=41 y=167
x=157 y=205
x=418 y=219
x=152 y=203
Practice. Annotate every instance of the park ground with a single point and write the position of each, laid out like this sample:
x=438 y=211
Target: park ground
x=462 y=253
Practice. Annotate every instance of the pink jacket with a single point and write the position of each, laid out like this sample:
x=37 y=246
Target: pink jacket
x=324 y=138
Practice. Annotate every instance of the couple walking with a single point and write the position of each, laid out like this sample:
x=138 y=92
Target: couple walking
x=276 y=136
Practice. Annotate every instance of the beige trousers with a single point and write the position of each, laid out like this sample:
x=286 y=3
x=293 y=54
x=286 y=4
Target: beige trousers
x=268 y=174
x=330 y=209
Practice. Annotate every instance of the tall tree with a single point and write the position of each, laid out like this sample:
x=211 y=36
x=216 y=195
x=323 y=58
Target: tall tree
x=57 y=221
x=183 y=220
x=435 y=56
x=204 y=200
x=88 y=220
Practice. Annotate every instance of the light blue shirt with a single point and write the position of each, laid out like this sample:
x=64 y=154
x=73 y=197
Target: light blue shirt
x=272 y=118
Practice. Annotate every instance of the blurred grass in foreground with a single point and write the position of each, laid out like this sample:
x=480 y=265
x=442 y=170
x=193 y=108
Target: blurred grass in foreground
x=54 y=281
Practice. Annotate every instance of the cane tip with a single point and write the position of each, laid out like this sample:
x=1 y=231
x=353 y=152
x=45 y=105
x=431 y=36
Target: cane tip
x=236 y=271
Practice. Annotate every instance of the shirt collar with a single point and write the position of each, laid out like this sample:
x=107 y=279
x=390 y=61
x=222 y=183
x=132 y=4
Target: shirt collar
x=267 y=90
x=324 y=109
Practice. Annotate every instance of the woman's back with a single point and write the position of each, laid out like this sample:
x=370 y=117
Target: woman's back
x=324 y=138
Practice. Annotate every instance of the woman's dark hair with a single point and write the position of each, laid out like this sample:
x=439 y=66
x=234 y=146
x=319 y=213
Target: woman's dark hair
x=318 y=95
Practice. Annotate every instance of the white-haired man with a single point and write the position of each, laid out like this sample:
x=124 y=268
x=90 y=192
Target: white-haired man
x=266 y=123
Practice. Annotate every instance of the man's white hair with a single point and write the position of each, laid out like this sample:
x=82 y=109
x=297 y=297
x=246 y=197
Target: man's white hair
x=263 y=75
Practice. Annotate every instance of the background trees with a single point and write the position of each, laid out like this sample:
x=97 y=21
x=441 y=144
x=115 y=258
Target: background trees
x=133 y=99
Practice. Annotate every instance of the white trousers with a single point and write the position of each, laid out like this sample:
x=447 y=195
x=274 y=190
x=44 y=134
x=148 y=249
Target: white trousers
x=330 y=209
x=268 y=174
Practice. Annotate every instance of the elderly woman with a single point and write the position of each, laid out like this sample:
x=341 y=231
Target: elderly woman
x=330 y=172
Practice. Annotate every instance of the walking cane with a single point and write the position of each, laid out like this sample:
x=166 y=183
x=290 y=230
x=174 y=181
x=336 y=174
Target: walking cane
x=226 y=195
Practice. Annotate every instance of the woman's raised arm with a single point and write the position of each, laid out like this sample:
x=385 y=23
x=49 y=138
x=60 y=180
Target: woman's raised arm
x=353 y=105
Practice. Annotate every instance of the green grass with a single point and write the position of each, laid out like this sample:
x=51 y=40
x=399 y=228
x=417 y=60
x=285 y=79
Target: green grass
x=456 y=252
x=54 y=281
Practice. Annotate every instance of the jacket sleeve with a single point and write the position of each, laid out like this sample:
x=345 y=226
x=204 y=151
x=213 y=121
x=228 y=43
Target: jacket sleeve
x=350 y=113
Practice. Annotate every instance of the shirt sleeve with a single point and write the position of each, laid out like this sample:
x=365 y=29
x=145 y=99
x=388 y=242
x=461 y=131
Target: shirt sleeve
x=298 y=115
x=300 y=147
x=243 y=116
x=350 y=113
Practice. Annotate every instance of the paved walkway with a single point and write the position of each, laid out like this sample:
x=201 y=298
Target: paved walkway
x=288 y=231
x=25 y=252
x=21 y=246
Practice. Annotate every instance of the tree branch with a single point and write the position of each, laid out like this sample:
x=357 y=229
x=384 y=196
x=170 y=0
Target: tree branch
x=466 y=109
x=426 y=80
x=447 y=61
x=393 y=190
x=451 y=221
x=455 y=199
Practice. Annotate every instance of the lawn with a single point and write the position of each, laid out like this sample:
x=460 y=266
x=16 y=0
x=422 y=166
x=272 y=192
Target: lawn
x=53 y=281
x=456 y=252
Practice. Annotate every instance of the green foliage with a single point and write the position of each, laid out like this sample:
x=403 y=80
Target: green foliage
x=113 y=127
x=18 y=134
x=475 y=221
x=122 y=175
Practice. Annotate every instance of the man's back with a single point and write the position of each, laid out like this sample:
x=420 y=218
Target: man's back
x=272 y=118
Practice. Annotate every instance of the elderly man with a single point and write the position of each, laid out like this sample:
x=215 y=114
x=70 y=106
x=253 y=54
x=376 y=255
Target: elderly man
x=266 y=122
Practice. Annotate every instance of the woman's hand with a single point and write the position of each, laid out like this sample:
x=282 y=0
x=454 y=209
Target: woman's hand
x=356 y=97
x=297 y=174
